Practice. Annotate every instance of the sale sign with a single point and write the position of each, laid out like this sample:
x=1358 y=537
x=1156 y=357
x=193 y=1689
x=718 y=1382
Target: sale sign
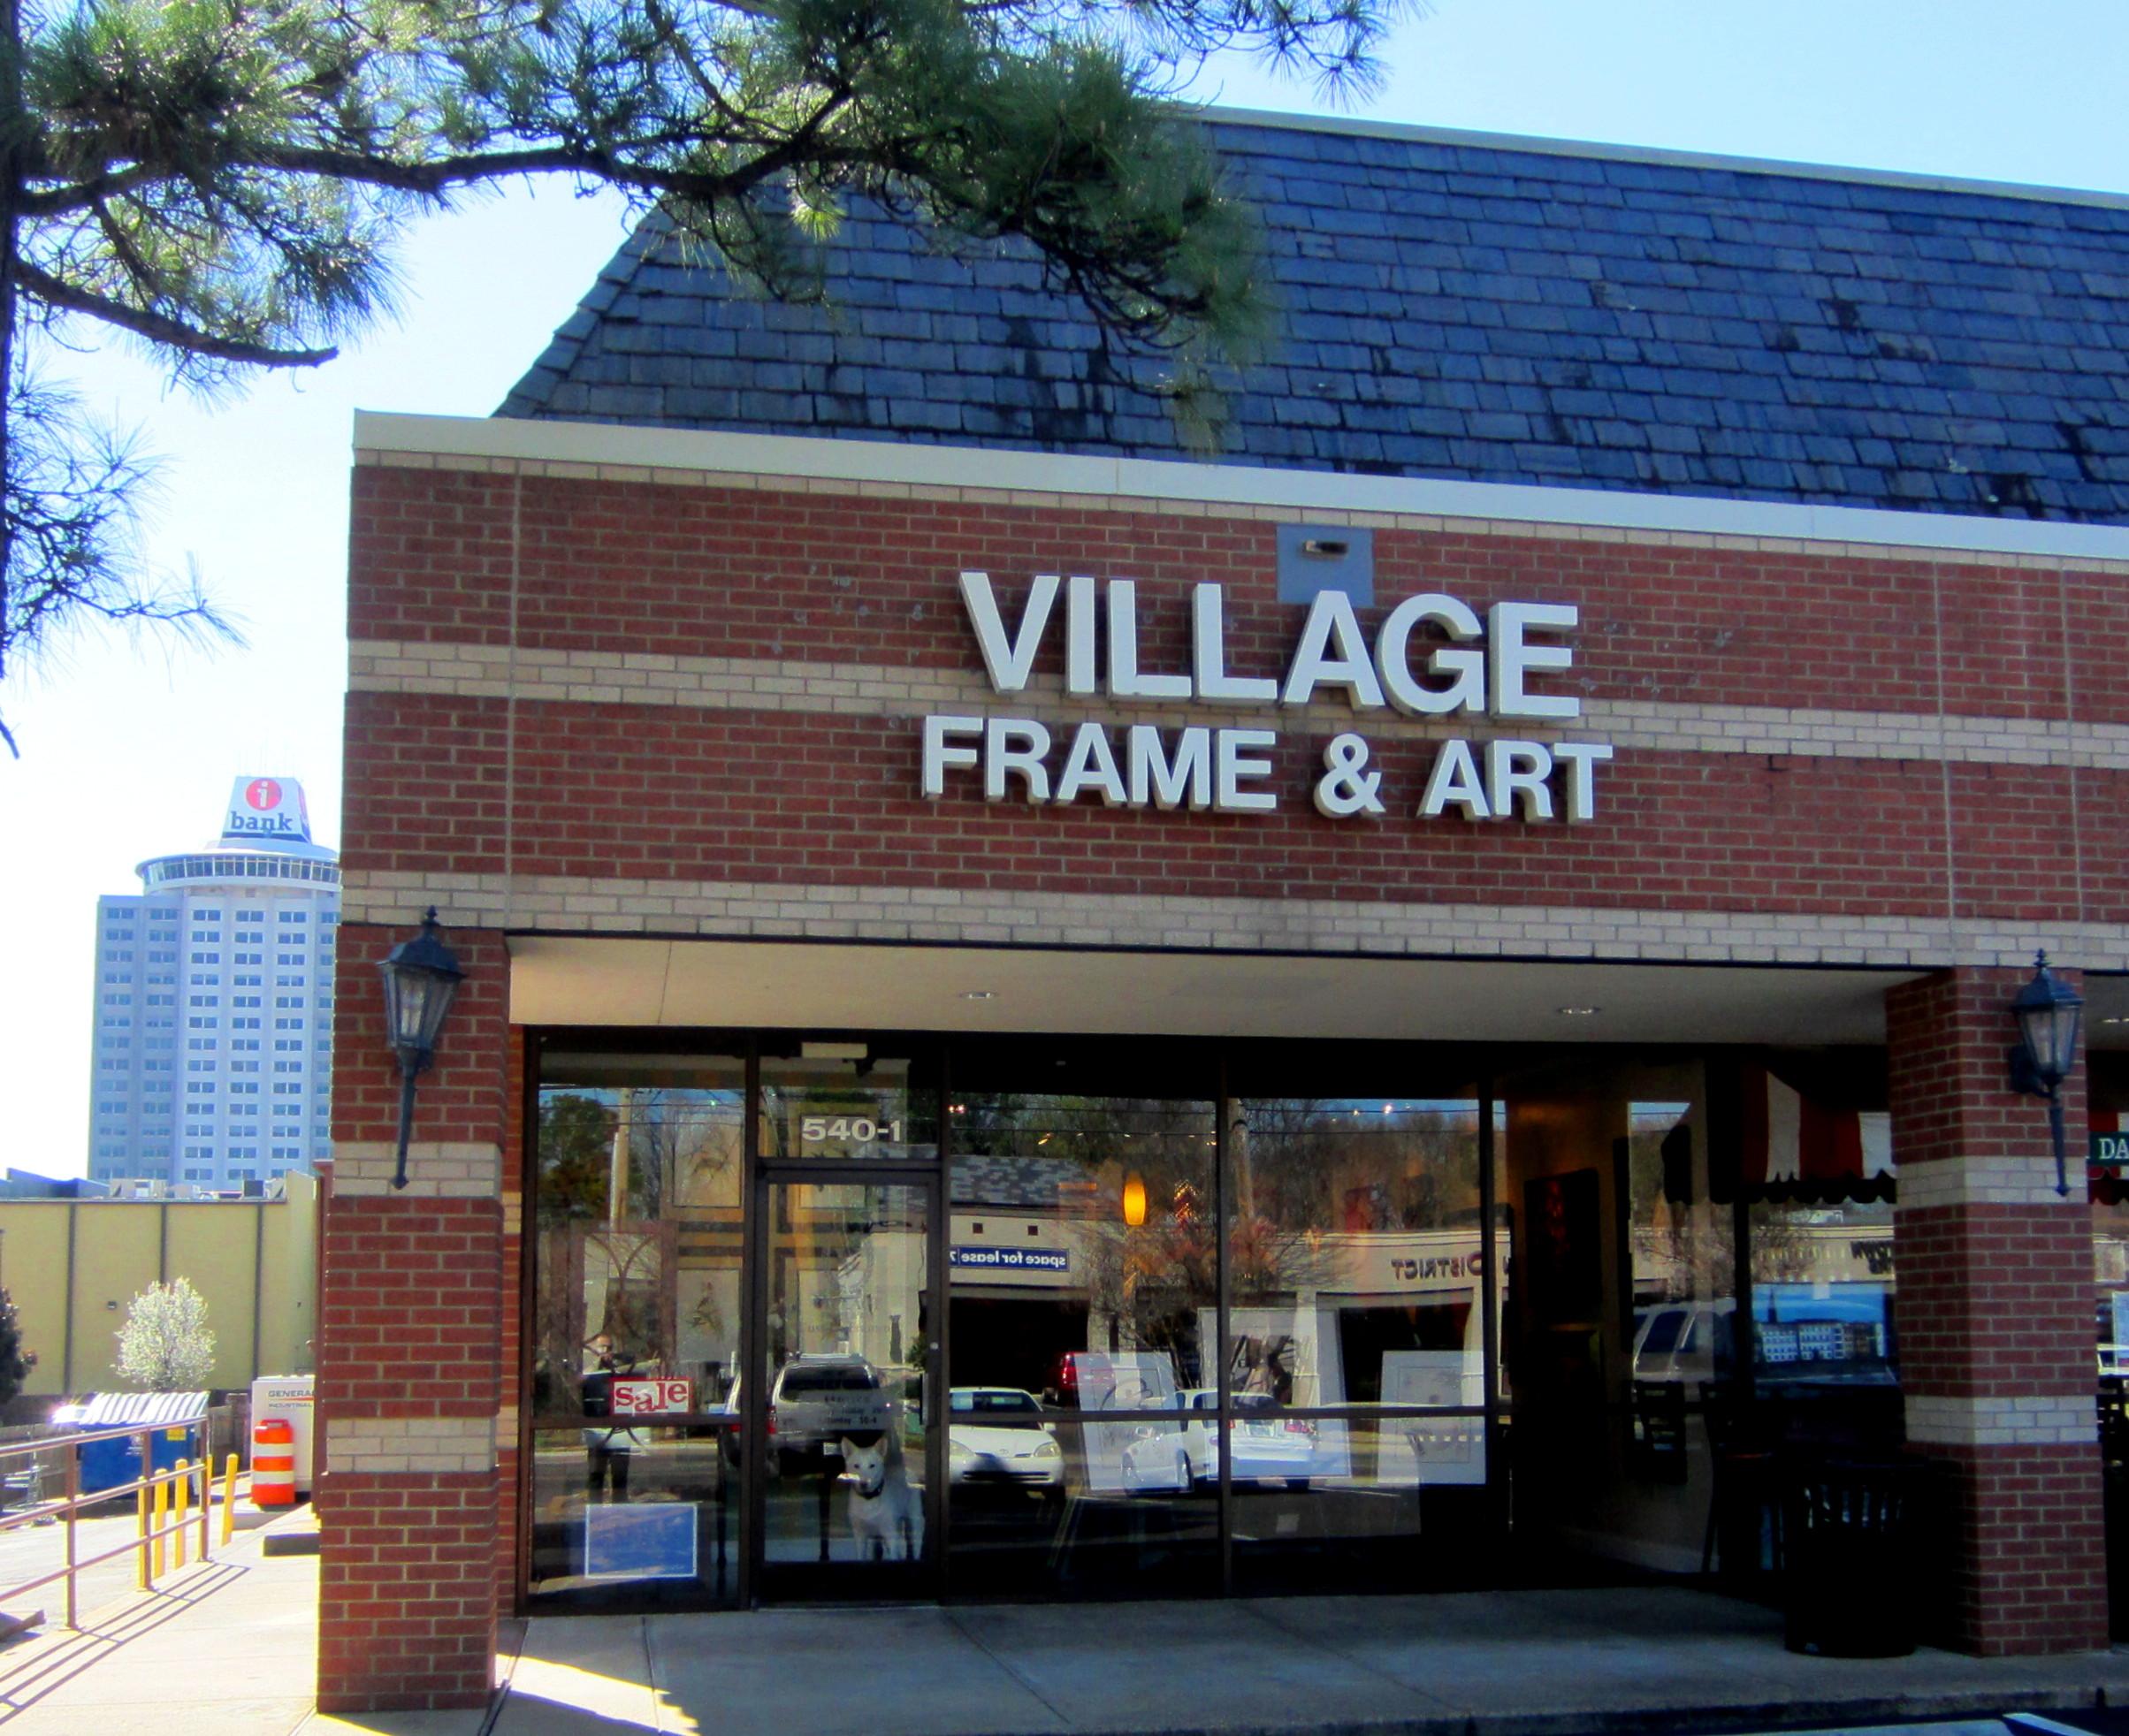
x=652 y=1398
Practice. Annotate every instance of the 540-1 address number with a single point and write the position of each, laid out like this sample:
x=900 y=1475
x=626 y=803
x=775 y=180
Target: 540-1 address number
x=856 y=1129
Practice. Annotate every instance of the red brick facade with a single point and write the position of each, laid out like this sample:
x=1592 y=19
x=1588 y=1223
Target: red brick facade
x=414 y=1323
x=798 y=577
x=451 y=783
x=1995 y=1306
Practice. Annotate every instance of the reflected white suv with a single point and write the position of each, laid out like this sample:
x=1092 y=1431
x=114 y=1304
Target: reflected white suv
x=817 y=1399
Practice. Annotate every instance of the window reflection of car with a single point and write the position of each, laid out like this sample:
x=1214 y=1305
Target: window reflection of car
x=1268 y=1446
x=1691 y=1342
x=817 y=1399
x=998 y=1437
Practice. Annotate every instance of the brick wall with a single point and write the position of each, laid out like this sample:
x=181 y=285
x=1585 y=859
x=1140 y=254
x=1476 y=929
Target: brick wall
x=1995 y=1312
x=824 y=576
x=416 y=1319
x=824 y=789
x=405 y=1592
x=712 y=687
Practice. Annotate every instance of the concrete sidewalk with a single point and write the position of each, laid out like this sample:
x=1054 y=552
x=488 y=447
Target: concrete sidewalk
x=1502 y=1664
x=230 y=1647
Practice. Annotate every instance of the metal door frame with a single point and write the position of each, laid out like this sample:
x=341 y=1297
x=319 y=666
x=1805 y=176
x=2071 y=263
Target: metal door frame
x=929 y=1575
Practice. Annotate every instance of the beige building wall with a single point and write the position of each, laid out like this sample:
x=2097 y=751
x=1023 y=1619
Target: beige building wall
x=73 y=1266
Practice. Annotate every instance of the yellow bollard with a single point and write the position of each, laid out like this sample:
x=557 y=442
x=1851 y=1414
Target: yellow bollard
x=161 y=1511
x=183 y=1503
x=147 y=1575
x=229 y=1497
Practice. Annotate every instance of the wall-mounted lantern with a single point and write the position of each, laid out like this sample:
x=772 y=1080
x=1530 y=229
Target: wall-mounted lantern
x=420 y=977
x=2049 y=1013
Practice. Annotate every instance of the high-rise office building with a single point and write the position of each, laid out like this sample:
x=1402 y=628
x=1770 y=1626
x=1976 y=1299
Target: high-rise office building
x=213 y=1036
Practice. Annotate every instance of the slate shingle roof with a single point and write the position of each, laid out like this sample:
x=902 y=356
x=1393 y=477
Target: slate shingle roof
x=1467 y=308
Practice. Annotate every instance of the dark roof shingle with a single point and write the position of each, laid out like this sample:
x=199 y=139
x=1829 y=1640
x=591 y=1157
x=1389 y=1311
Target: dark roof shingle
x=1472 y=310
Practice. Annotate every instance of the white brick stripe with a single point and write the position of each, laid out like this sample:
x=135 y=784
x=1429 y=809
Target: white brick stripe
x=409 y=1443
x=979 y=917
x=1999 y=1422
x=1995 y=1180
x=436 y=1169
x=855 y=689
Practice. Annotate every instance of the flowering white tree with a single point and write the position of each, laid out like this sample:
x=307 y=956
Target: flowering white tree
x=165 y=1345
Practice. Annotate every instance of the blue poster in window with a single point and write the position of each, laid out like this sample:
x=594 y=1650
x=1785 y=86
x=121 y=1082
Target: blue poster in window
x=650 y=1540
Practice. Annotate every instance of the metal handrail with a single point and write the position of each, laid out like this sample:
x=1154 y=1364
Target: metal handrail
x=148 y=1537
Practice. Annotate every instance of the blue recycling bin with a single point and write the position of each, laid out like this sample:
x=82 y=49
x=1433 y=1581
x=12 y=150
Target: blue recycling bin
x=113 y=1463
x=176 y=1423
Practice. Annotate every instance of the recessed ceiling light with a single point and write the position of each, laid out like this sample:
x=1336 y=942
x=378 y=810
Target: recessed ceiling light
x=1580 y=1012
x=979 y=994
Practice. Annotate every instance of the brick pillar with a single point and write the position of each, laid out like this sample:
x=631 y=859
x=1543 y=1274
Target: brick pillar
x=412 y=1377
x=1994 y=1314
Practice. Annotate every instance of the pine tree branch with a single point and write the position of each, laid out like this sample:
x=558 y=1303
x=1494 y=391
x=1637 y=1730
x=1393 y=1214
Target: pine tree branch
x=159 y=328
x=439 y=175
x=35 y=202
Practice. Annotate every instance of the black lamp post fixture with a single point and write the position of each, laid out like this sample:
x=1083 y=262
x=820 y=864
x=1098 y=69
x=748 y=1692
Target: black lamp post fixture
x=421 y=976
x=2049 y=1013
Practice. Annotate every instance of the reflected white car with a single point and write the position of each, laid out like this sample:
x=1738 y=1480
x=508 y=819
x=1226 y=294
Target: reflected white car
x=1268 y=1447
x=997 y=1436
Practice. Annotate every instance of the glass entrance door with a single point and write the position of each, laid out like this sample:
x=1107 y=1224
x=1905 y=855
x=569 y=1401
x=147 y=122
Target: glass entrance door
x=841 y=1400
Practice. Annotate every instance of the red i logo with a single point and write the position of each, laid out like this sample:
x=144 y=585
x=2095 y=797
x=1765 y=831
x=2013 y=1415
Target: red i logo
x=263 y=794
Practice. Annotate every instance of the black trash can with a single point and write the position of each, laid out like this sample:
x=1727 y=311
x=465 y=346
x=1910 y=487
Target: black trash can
x=1848 y=1533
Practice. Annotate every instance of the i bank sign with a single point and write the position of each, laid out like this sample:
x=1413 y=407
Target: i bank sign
x=1433 y=657
x=267 y=808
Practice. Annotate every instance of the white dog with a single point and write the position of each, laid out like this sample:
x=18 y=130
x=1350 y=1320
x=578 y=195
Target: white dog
x=887 y=1515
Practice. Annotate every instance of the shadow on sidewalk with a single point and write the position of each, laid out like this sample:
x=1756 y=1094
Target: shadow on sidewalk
x=39 y=1666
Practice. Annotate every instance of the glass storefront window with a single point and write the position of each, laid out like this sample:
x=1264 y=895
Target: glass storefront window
x=1355 y=1253
x=1357 y=1350
x=1021 y=1350
x=1817 y=1168
x=635 y=1327
x=1084 y=1275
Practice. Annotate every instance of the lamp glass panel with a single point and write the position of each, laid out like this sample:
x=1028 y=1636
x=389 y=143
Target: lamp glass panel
x=2061 y=1038
x=436 y=1005
x=2049 y=1031
x=394 y=1019
x=415 y=1002
x=407 y=997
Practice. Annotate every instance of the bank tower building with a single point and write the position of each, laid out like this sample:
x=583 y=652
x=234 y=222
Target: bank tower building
x=213 y=1037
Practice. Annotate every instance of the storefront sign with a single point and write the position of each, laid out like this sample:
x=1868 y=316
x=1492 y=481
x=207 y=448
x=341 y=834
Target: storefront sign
x=2111 y=1149
x=652 y=1398
x=1011 y=1259
x=1450 y=1265
x=1497 y=667
x=267 y=808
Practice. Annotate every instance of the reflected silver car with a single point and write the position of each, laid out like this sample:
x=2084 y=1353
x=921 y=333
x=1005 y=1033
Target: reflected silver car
x=1268 y=1446
x=997 y=1436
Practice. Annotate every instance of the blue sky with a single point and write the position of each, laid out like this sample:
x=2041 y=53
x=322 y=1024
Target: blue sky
x=129 y=745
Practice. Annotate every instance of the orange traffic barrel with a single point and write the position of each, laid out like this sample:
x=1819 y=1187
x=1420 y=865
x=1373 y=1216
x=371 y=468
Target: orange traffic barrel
x=272 y=1463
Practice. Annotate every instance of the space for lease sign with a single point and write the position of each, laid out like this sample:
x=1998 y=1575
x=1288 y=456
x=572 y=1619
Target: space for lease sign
x=1011 y=1259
